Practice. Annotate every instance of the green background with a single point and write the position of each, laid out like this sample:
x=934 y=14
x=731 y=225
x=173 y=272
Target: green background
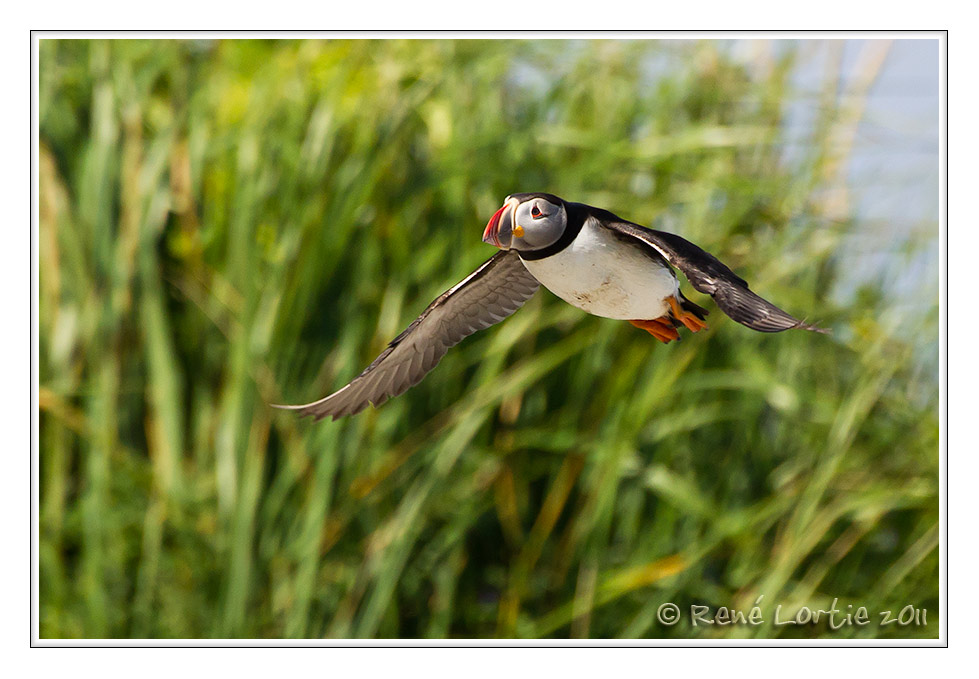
x=225 y=224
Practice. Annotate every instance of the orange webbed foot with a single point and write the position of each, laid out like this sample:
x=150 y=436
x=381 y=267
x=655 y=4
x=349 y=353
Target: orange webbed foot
x=660 y=328
x=689 y=319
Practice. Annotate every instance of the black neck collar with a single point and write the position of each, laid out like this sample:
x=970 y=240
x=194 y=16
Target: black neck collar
x=577 y=214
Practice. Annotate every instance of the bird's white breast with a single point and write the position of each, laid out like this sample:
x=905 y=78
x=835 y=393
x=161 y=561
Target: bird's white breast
x=606 y=277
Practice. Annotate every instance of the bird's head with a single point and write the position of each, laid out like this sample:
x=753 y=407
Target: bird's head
x=527 y=221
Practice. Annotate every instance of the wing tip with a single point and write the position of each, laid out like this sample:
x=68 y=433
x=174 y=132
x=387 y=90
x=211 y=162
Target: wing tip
x=285 y=406
x=303 y=410
x=796 y=325
x=320 y=411
x=803 y=325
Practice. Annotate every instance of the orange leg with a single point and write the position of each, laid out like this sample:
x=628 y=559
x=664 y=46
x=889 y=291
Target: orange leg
x=693 y=323
x=660 y=328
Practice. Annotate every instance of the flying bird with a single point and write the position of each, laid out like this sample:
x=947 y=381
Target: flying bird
x=588 y=257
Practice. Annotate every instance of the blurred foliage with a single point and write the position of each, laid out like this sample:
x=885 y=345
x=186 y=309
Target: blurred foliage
x=225 y=224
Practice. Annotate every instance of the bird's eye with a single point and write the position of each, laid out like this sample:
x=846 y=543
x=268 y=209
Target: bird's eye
x=535 y=212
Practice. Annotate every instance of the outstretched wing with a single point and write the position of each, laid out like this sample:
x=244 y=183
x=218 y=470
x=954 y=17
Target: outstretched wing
x=711 y=276
x=488 y=295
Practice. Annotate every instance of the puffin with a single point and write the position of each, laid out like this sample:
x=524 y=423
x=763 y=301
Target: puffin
x=587 y=256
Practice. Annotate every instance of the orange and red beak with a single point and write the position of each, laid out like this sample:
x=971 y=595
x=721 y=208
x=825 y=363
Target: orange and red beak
x=499 y=230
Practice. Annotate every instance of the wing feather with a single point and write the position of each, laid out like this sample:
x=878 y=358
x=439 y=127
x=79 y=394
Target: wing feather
x=488 y=295
x=711 y=276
